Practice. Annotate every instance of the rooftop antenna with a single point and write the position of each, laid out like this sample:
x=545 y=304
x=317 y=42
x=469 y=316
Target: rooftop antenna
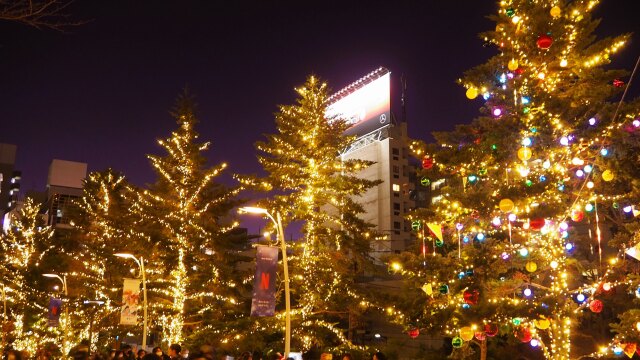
x=403 y=99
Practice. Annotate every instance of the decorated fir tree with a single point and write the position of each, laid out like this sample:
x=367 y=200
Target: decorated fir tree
x=24 y=245
x=310 y=183
x=535 y=198
x=182 y=218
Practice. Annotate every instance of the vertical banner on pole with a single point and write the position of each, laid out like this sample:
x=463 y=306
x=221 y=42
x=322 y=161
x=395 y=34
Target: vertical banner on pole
x=130 y=297
x=55 y=307
x=264 y=284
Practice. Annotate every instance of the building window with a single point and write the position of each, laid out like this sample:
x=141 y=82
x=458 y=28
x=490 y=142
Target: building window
x=396 y=171
x=396 y=188
x=396 y=225
x=396 y=153
x=396 y=209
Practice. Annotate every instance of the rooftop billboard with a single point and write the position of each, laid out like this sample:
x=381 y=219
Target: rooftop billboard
x=365 y=104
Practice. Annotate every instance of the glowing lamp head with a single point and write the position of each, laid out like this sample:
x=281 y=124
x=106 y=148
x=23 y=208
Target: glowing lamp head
x=512 y=217
x=627 y=209
x=568 y=246
x=581 y=298
x=588 y=168
x=527 y=292
x=546 y=164
x=579 y=173
x=564 y=141
x=459 y=226
x=564 y=234
x=590 y=185
x=592 y=121
x=480 y=237
x=604 y=152
x=589 y=207
x=618 y=350
x=496 y=221
x=564 y=226
x=554 y=264
x=486 y=95
x=504 y=256
x=563 y=63
x=636 y=123
x=523 y=252
x=606 y=286
x=527 y=141
x=497 y=112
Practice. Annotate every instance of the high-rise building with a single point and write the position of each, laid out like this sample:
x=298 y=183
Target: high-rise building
x=64 y=184
x=366 y=105
x=9 y=179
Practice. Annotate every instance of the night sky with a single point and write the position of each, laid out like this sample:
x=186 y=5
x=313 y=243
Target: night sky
x=101 y=92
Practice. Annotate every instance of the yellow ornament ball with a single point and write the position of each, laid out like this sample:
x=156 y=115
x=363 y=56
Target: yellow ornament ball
x=555 y=11
x=472 y=93
x=466 y=333
x=512 y=65
x=524 y=153
x=531 y=266
x=506 y=205
x=607 y=175
x=542 y=323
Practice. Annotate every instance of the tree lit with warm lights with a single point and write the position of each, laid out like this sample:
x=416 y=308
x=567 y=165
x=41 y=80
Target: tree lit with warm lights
x=311 y=183
x=535 y=198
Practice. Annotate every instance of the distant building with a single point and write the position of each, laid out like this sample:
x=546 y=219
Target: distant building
x=366 y=105
x=64 y=185
x=9 y=179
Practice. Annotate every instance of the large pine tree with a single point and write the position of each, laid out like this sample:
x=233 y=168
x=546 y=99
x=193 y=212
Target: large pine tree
x=191 y=264
x=531 y=193
x=310 y=183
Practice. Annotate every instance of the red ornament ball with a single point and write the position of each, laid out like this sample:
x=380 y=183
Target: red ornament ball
x=596 y=306
x=536 y=224
x=471 y=297
x=414 y=332
x=544 y=41
x=618 y=83
x=475 y=214
x=577 y=215
x=491 y=330
x=523 y=334
x=427 y=163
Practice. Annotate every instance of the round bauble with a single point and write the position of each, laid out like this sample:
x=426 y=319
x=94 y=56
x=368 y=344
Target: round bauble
x=542 y=323
x=523 y=334
x=466 y=333
x=491 y=329
x=607 y=175
x=506 y=205
x=471 y=297
x=555 y=11
x=472 y=93
x=480 y=335
x=427 y=162
x=596 y=306
x=524 y=153
x=577 y=215
x=536 y=224
x=531 y=266
x=413 y=333
x=544 y=41
x=512 y=64
x=457 y=342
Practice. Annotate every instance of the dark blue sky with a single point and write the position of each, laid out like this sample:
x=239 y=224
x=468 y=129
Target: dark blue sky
x=101 y=92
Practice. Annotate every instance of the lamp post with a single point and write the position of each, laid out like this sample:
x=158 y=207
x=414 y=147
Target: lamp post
x=283 y=246
x=67 y=322
x=4 y=316
x=93 y=303
x=144 y=294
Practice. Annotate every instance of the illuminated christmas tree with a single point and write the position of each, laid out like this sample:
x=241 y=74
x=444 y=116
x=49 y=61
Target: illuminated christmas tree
x=23 y=246
x=190 y=260
x=533 y=202
x=312 y=184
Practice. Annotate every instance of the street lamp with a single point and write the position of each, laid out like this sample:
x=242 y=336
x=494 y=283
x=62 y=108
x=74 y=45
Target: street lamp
x=283 y=246
x=67 y=322
x=144 y=293
x=92 y=303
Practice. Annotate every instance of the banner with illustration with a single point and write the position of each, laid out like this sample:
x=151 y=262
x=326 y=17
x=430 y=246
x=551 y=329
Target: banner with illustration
x=264 y=284
x=55 y=306
x=130 y=297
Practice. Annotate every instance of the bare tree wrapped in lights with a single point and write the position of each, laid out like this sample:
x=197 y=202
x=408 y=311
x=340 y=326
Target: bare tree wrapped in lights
x=313 y=185
x=535 y=198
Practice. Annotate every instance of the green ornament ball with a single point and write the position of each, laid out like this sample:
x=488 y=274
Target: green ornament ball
x=444 y=289
x=510 y=12
x=457 y=342
x=439 y=242
x=425 y=181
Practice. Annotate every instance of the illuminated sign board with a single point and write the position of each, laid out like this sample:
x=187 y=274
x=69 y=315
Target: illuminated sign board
x=365 y=104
